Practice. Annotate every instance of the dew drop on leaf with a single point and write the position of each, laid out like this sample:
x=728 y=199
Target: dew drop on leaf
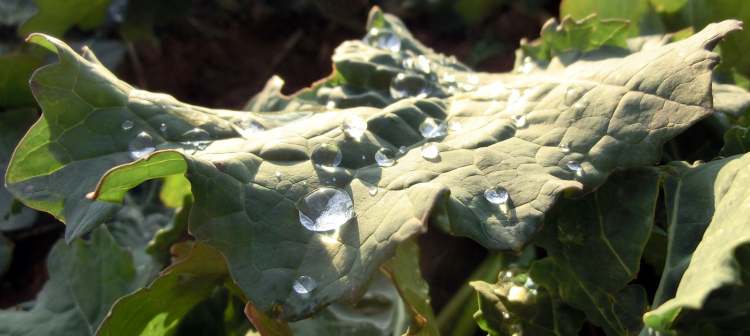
x=519 y=120
x=304 y=284
x=430 y=151
x=141 y=146
x=402 y=150
x=325 y=209
x=496 y=195
x=404 y=86
x=126 y=125
x=418 y=63
x=383 y=39
x=163 y=128
x=431 y=129
x=248 y=128
x=575 y=167
x=326 y=155
x=564 y=147
x=354 y=126
x=384 y=157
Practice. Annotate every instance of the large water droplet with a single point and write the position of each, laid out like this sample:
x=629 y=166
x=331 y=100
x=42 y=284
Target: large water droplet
x=575 y=167
x=519 y=120
x=141 y=146
x=126 y=125
x=326 y=155
x=385 y=157
x=418 y=63
x=430 y=151
x=431 y=129
x=383 y=39
x=354 y=126
x=403 y=86
x=325 y=209
x=496 y=195
x=196 y=134
x=304 y=285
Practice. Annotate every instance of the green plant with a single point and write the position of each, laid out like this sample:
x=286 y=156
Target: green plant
x=297 y=202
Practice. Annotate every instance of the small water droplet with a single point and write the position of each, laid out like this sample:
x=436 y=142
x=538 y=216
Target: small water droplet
x=519 y=120
x=364 y=157
x=304 y=285
x=354 y=126
x=448 y=77
x=196 y=134
x=528 y=65
x=248 y=127
x=163 y=128
x=579 y=106
x=530 y=284
x=403 y=86
x=430 y=151
x=331 y=104
x=278 y=175
x=384 y=157
x=326 y=155
x=141 y=146
x=126 y=125
x=372 y=190
x=496 y=195
x=383 y=39
x=574 y=166
x=564 y=147
x=418 y=63
x=506 y=315
x=325 y=209
x=402 y=150
x=431 y=129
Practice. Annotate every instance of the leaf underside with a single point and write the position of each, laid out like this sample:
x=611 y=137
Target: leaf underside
x=612 y=113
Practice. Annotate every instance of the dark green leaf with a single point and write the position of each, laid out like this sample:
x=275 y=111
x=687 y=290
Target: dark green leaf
x=736 y=141
x=580 y=36
x=56 y=17
x=13 y=215
x=595 y=247
x=643 y=19
x=705 y=284
x=15 y=71
x=612 y=114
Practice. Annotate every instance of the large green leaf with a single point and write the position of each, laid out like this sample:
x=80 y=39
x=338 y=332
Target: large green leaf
x=595 y=247
x=582 y=36
x=704 y=289
x=158 y=308
x=606 y=114
x=85 y=279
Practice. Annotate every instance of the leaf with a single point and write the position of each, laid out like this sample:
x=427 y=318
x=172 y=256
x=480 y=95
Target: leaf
x=704 y=286
x=730 y=99
x=587 y=34
x=158 y=308
x=595 y=247
x=265 y=325
x=85 y=279
x=643 y=19
x=15 y=70
x=380 y=311
x=403 y=270
x=13 y=215
x=246 y=183
x=56 y=17
x=736 y=141
x=534 y=312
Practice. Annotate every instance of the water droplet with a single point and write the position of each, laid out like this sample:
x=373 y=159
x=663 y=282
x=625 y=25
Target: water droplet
x=141 y=146
x=354 y=126
x=196 y=134
x=430 y=151
x=372 y=190
x=385 y=157
x=579 y=106
x=326 y=155
x=304 y=285
x=519 y=120
x=530 y=284
x=518 y=294
x=574 y=166
x=403 y=86
x=496 y=195
x=383 y=39
x=331 y=104
x=418 y=63
x=364 y=157
x=432 y=129
x=448 y=77
x=248 y=127
x=126 y=125
x=163 y=128
x=564 y=147
x=528 y=65
x=325 y=209
x=402 y=150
